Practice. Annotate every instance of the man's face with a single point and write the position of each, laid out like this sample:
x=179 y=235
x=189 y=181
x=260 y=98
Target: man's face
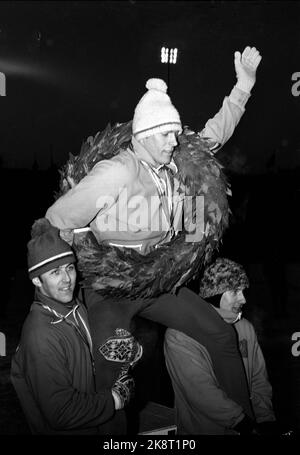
x=160 y=146
x=233 y=301
x=59 y=283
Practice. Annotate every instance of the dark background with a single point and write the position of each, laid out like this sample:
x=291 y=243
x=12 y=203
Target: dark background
x=72 y=67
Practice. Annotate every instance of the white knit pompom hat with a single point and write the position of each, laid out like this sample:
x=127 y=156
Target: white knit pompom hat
x=155 y=112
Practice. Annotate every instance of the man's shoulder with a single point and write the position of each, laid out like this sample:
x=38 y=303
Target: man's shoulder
x=245 y=326
x=179 y=344
x=246 y=323
x=173 y=336
x=173 y=333
x=37 y=325
x=124 y=162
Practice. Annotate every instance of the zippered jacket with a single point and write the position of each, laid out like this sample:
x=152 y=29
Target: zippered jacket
x=202 y=405
x=120 y=199
x=52 y=371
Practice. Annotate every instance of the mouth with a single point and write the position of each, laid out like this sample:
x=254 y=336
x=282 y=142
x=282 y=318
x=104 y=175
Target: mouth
x=68 y=289
x=238 y=309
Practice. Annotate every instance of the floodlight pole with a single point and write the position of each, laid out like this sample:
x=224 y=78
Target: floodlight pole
x=169 y=56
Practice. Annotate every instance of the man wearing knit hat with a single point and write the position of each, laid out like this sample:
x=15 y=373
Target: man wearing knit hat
x=115 y=199
x=108 y=199
x=52 y=370
x=202 y=405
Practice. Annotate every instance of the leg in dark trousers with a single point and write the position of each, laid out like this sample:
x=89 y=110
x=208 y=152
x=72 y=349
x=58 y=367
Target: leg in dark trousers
x=189 y=313
x=110 y=322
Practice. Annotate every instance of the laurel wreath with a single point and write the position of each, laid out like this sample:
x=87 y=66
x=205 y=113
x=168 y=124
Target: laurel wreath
x=115 y=272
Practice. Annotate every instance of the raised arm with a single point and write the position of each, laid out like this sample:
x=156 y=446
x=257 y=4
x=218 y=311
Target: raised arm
x=221 y=127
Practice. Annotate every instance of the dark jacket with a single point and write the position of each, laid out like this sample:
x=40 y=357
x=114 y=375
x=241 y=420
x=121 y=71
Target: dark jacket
x=52 y=372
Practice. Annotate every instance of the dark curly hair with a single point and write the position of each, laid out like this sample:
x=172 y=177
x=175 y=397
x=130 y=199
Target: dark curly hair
x=223 y=275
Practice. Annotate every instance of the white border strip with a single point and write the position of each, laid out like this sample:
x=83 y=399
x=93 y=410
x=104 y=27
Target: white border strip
x=86 y=229
x=53 y=258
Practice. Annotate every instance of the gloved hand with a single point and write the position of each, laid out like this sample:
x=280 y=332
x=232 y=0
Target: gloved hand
x=123 y=391
x=245 y=67
x=245 y=426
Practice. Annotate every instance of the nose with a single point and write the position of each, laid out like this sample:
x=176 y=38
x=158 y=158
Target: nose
x=66 y=277
x=173 y=139
x=242 y=299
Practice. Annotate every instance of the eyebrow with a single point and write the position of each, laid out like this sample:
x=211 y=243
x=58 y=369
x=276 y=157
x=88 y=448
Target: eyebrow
x=171 y=131
x=61 y=266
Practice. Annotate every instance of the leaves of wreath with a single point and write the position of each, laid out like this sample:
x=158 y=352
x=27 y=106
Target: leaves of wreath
x=115 y=272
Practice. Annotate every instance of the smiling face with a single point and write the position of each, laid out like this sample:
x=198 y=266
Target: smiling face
x=58 y=283
x=233 y=301
x=160 y=147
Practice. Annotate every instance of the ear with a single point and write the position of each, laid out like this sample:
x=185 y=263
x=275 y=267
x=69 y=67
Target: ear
x=37 y=282
x=223 y=299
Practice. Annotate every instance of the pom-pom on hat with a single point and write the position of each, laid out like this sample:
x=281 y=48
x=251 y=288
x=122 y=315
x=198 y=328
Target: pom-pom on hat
x=155 y=112
x=46 y=250
x=223 y=275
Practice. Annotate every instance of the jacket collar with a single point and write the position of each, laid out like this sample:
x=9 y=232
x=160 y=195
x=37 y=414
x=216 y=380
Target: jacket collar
x=143 y=155
x=228 y=316
x=54 y=304
x=65 y=313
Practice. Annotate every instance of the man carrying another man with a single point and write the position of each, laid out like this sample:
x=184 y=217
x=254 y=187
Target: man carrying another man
x=53 y=367
x=202 y=405
x=146 y=170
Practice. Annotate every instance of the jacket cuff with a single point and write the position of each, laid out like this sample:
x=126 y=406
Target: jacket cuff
x=239 y=97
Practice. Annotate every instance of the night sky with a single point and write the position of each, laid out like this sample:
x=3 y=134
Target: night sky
x=71 y=67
